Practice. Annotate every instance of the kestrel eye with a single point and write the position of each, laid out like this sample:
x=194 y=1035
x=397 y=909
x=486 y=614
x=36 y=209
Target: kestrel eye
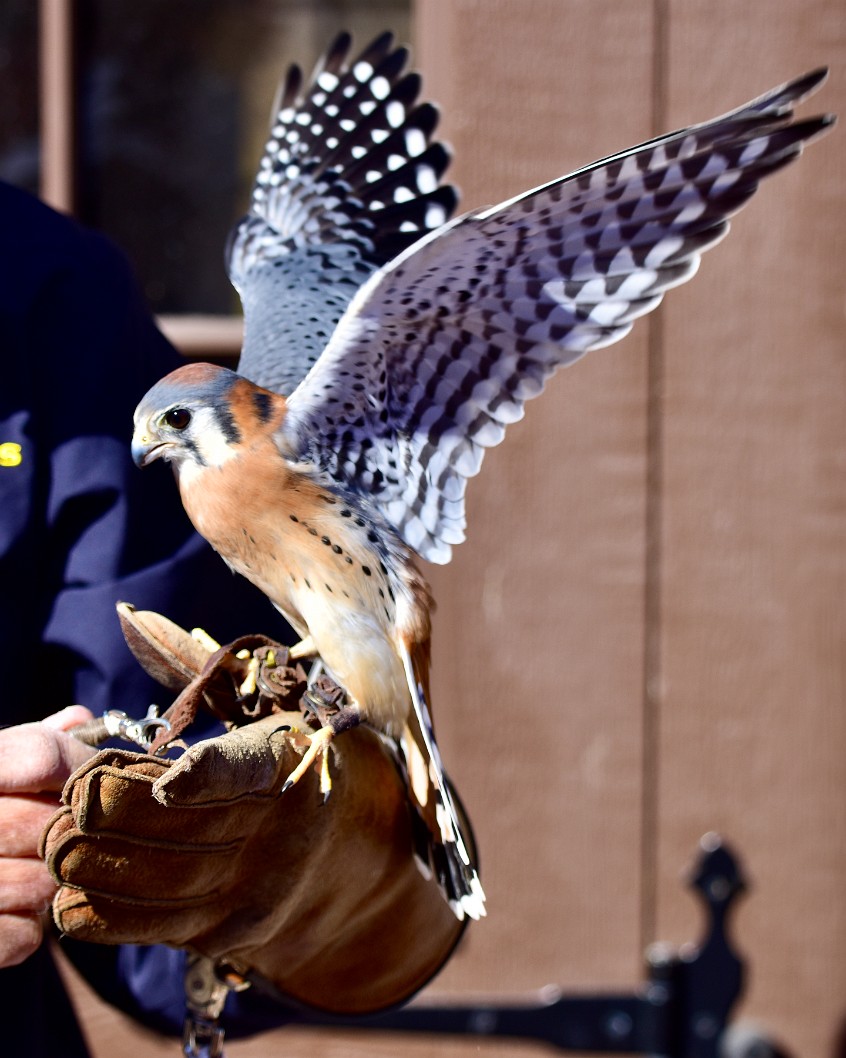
x=177 y=418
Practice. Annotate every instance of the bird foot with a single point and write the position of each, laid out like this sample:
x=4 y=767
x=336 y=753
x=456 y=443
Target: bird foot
x=319 y=744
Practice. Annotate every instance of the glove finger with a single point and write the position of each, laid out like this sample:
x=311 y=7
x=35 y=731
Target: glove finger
x=164 y=650
x=115 y=797
x=139 y=871
x=248 y=762
x=89 y=916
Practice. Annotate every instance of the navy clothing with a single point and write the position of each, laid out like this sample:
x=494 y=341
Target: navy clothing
x=80 y=529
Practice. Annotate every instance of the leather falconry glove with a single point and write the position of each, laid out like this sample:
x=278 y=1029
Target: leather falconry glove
x=323 y=900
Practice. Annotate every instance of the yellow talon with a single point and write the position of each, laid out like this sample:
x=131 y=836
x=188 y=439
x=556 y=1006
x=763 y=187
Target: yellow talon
x=318 y=745
x=325 y=777
x=249 y=684
x=205 y=640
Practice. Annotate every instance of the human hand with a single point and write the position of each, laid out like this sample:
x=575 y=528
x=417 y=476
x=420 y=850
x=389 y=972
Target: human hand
x=35 y=762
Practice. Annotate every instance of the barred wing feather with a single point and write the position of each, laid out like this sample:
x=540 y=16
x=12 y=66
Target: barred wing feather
x=349 y=178
x=442 y=347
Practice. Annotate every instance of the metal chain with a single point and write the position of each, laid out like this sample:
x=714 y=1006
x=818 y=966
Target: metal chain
x=207 y=985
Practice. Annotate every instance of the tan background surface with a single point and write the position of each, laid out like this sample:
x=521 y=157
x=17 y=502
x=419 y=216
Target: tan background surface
x=643 y=638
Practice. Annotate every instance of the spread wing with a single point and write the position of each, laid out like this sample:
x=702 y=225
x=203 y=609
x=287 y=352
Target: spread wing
x=442 y=347
x=349 y=178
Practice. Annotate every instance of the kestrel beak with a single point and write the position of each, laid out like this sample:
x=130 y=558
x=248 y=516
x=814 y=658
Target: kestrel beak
x=145 y=449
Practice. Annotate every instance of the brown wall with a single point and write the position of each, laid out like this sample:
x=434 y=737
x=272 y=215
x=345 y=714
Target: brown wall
x=643 y=638
x=655 y=573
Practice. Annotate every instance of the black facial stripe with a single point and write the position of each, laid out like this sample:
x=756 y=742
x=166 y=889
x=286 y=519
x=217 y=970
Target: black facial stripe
x=227 y=424
x=263 y=404
x=194 y=450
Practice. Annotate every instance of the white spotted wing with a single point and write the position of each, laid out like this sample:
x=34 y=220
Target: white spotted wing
x=442 y=347
x=349 y=178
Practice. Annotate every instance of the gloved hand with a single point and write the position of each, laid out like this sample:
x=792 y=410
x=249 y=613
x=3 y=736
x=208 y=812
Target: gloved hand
x=323 y=900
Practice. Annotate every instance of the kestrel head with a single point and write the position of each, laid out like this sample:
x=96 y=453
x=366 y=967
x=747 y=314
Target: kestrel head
x=187 y=416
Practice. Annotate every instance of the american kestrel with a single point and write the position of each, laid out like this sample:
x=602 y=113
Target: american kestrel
x=342 y=457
